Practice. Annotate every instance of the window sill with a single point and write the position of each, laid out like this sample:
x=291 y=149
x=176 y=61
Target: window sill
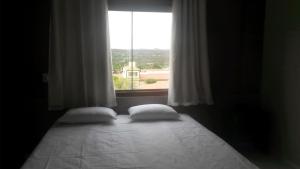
x=145 y=92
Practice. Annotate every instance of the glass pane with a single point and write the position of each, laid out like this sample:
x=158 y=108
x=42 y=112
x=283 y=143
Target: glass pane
x=151 y=44
x=120 y=43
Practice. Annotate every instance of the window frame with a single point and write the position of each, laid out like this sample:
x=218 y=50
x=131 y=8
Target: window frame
x=140 y=5
x=141 y=92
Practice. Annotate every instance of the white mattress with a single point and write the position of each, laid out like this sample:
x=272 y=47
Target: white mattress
x=184 y=144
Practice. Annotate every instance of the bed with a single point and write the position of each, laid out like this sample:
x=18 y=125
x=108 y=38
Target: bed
x=182 y=144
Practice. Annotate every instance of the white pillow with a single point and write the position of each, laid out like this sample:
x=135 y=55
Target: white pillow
x=88 y=115
x=152 y=112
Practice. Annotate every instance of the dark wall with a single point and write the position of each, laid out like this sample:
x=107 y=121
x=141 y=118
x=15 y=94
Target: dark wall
x=234 y=30
x=281 y=77
x=235 y=38
x=23 y=95
x=235 y=35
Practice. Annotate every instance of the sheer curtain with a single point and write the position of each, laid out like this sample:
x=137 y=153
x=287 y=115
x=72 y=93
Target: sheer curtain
x=189 y=81
x=80 y=69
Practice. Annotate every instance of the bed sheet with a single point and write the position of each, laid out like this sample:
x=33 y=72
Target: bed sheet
x=183 y=144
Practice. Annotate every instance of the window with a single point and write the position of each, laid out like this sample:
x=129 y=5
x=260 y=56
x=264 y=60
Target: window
x=140 y=43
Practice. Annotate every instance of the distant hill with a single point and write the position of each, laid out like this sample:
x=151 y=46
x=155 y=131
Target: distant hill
x=144 y=58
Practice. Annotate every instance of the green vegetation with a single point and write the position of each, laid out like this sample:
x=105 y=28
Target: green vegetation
x=144 y=58
x=121 y=83
x=150 y=81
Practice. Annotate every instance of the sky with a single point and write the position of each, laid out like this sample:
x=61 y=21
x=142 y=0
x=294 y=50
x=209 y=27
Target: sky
x=151 y=30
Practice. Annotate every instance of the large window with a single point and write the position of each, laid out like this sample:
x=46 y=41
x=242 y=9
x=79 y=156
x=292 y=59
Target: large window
x=140 y=43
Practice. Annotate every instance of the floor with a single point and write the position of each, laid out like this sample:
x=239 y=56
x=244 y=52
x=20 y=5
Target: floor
x=267 y=162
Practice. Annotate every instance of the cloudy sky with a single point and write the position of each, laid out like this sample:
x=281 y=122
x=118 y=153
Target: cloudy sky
x=150 y=30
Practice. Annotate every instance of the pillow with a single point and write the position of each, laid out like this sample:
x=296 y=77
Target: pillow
x=152 y=112
x=88 y=115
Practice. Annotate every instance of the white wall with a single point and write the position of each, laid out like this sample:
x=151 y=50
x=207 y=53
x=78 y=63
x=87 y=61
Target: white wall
x=281 y=76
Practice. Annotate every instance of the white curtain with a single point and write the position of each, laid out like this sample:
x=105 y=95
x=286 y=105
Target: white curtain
x=189 y=81
x=80 y=69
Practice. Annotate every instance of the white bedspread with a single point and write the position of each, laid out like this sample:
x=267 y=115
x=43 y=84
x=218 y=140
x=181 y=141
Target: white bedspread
x=184 y=144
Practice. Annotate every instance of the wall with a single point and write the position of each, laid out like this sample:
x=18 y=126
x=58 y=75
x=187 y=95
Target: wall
x=281 y=76
x=235 y=31
x=23 y=95
x=235 y=38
